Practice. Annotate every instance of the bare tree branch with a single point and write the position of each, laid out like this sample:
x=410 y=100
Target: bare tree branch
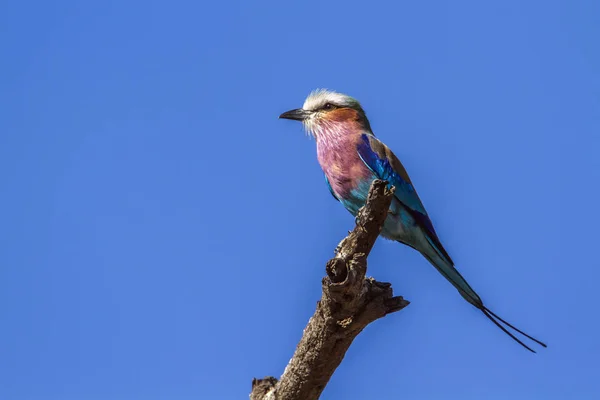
x=349 y=302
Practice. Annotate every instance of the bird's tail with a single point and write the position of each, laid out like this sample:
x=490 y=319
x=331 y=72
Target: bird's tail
x=446 y=267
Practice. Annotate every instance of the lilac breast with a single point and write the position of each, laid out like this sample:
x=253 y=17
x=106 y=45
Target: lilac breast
x=342 y=165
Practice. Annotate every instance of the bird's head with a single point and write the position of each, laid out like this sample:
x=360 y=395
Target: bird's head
x=327 y=113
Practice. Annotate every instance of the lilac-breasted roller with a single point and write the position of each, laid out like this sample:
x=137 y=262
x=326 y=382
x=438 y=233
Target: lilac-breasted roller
x=352 y=157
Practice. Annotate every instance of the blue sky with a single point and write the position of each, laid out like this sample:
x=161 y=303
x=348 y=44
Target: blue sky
x=164 y=234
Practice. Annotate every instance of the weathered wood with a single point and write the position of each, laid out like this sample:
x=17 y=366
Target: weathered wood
x=349 y=302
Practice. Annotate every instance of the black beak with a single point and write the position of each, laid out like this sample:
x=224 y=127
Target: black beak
x=297 y=115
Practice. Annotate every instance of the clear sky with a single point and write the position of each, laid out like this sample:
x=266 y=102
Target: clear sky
x=163 y=235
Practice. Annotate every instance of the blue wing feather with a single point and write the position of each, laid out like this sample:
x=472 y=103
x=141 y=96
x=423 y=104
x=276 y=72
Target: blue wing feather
x=381 y=166
x=380 y=159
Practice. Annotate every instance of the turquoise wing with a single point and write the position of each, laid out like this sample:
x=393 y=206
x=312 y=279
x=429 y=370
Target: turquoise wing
x=384 y=163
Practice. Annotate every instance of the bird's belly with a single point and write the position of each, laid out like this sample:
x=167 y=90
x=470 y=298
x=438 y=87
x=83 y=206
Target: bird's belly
x=399 y=224
x=357 y=197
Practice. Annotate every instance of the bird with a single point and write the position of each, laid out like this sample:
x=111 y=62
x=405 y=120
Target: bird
x=352 y=157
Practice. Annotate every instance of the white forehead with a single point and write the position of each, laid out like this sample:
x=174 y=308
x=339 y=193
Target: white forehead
x=320 y=97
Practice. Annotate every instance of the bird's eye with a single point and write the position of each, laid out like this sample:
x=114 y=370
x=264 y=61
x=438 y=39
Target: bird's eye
x=328 y=106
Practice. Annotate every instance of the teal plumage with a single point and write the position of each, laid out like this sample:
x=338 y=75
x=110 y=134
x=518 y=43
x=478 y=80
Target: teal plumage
x=352 y=157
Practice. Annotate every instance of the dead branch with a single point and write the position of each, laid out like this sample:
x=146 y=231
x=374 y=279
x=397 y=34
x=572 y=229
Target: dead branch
x=349 y=302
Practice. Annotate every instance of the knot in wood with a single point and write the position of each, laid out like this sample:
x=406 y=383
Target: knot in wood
x=337 y=270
